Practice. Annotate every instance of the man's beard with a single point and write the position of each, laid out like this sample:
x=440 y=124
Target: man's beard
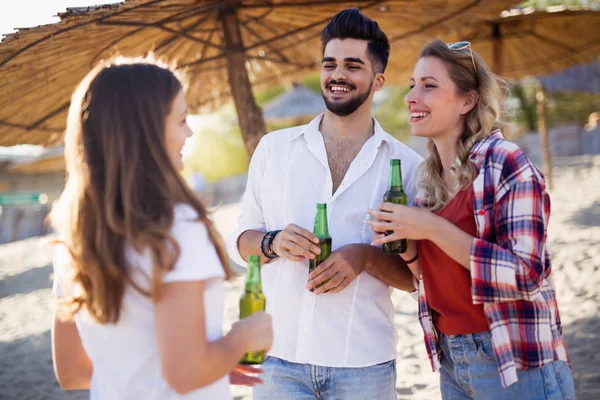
x=343 y=109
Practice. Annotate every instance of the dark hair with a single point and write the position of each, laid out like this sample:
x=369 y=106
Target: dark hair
x=121 y=186
x=352 y=24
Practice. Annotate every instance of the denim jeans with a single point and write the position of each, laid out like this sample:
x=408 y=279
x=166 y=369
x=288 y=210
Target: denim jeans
x=285 y=380
x=469 y=371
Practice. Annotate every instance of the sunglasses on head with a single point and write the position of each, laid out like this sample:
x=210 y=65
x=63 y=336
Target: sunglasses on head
x=462 y=46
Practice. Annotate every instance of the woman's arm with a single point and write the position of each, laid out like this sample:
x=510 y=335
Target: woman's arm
x=189 y=361
x=72 y=367
x=512 y=268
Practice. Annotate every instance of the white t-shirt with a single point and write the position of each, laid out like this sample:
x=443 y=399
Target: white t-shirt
x=125 y=355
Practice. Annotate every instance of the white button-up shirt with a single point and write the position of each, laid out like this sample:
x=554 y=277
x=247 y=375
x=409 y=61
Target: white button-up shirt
x=289 y=174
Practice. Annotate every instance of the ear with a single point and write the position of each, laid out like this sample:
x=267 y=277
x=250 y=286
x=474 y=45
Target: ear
x=378 y=82
x=470 y=100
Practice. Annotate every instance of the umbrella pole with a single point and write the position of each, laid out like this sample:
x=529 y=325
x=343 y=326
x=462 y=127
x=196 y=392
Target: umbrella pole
x=543 y=130
x=497 y=50
x=250 y=116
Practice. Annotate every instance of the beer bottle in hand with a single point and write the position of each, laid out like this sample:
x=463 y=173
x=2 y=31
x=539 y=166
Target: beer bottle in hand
x=322 y=232
x=252 y=301
x=396 y=195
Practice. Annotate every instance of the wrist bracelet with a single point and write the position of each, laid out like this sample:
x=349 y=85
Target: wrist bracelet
x=266 y=245
x=412 y=260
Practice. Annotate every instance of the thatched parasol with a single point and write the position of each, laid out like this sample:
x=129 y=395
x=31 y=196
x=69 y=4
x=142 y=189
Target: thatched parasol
x=527 y=42
x=226 y=46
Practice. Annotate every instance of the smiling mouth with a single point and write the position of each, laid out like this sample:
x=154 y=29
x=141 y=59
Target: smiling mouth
x=339 y=89
x=418 y=116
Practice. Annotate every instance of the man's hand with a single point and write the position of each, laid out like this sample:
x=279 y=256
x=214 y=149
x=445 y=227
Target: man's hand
x=296 y=244
x=341 y=268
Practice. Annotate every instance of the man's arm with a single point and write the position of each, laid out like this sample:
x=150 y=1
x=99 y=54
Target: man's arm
x=249 y=243
x=347 y=262
x=293 y=242
x=390 y=269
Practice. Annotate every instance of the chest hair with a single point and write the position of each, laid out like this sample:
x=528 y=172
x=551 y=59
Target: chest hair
x=340 y=154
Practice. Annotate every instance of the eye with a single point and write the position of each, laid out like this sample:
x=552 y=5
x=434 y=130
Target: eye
x=411 y=86
x=328 y=66
x=430 y=86
x=353 y=67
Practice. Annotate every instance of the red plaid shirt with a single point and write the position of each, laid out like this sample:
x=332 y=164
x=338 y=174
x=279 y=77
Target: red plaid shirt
x=510 y=263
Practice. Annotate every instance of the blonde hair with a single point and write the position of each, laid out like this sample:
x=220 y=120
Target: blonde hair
x=480 y=122
x=121 y=186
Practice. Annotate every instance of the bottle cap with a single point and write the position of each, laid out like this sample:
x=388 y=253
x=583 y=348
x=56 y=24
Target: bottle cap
x=254 y=258
x=395 y=161
x=321 y=206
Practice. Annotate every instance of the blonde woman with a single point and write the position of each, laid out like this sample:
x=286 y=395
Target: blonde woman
x=139 y=271
x=477 y=240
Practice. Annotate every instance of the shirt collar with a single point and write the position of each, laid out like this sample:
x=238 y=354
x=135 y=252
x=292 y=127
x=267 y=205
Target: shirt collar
x=312 y=128
x=481 y=147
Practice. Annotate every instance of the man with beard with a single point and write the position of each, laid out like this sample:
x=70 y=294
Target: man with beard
x=338 y=342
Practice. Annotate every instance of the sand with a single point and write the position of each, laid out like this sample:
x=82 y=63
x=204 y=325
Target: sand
x=26 y=299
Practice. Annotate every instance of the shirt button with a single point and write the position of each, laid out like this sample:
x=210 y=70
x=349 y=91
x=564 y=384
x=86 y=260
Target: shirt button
x=473 y=156
x=480 y=212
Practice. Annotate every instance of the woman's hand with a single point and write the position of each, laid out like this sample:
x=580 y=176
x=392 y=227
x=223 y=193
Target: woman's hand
x=403 y=221
x=243 y=375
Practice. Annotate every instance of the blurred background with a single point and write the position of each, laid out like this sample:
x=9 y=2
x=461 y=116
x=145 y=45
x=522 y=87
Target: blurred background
x=548 y=52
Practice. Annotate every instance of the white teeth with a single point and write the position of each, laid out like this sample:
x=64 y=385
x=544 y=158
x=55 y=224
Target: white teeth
x=339 y=89
x=419 y=114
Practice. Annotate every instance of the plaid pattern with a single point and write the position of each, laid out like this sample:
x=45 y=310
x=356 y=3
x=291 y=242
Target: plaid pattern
x=510 y=263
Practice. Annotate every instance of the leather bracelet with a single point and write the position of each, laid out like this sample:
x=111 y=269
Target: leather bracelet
x=412 y=260
x=266 y=245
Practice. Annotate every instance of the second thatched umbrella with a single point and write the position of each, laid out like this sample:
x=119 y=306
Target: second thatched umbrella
x=531 y=43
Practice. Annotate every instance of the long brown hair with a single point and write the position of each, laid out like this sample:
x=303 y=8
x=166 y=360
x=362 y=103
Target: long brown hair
x=121 y=186
x=480 y=121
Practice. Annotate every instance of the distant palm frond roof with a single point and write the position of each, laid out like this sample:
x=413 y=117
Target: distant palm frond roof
x=296 y=103
x=580 y=78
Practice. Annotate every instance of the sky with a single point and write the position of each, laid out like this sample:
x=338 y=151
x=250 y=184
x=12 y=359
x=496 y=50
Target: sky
x=30 y=13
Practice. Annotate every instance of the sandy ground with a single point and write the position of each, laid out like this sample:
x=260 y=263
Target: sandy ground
x=26 y=299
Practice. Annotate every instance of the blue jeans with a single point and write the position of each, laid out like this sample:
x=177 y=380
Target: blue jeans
x=286 y=380
x=469 y=371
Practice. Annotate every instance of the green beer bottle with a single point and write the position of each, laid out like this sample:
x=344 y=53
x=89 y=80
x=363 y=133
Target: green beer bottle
x=252 y=300
x=322 y=232
x=395 y=194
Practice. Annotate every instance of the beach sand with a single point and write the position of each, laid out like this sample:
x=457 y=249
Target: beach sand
x=26 y=300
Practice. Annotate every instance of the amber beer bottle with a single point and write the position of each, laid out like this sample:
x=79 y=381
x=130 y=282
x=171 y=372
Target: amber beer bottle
x=321 y=231
x=252 y=301
x=395 y=194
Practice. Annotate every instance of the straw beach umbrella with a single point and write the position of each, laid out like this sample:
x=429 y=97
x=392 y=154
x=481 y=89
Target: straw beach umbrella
x=527 y=42
x=228 y=47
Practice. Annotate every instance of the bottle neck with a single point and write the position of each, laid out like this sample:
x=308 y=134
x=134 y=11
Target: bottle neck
x=321 y=229
x=253 y=283
x=395 y=182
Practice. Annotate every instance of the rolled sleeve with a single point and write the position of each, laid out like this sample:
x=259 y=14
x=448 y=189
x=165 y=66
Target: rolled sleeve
x=513 y=268
x=251 y=217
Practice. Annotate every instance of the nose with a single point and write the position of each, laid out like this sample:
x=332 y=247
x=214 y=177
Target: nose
x=338 y=74
x=411 y=97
